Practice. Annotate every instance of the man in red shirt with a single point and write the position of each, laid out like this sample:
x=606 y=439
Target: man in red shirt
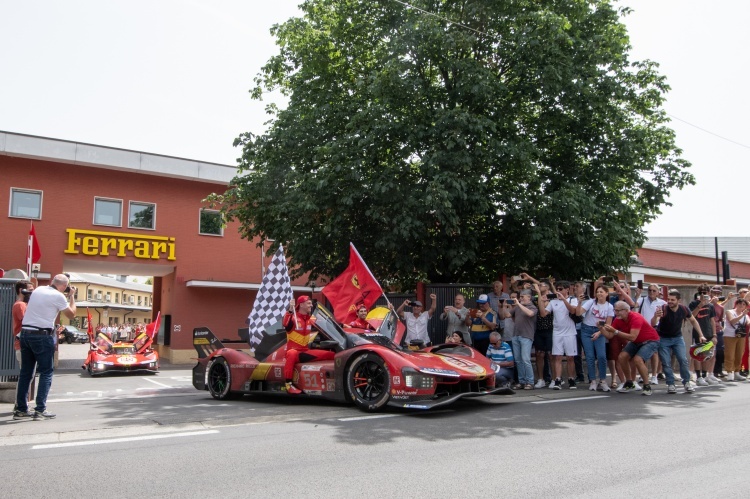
x=643 y=343
x=361 y=321
x=299 y=334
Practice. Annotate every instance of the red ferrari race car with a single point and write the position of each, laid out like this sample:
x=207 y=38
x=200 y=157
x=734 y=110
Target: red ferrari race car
x=123 y=356
x=369 y=368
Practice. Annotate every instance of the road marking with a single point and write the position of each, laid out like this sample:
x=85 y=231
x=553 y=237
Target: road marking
x=571 y=399
x=376 y=416
x=123 y=439
x=156 y=383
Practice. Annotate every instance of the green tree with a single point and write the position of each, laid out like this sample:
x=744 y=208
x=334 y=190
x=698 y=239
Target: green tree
x=449 y=145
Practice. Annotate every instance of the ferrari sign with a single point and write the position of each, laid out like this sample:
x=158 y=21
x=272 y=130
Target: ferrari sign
x=120 y=244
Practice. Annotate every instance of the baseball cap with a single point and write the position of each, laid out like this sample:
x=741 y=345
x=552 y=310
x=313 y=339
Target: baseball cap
x=416 y=303
x=482 y=299
x=302 y=299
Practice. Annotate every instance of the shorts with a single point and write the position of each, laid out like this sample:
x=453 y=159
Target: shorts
x=643 y=350
x=543 y=341
x=706 y=334
x=565 y=345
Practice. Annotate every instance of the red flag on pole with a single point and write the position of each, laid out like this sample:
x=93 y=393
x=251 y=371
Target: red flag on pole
x=33 y=253
x=90 y=328
x=354 y=286
x=153 y=329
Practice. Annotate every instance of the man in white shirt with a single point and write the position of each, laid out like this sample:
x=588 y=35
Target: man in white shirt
x=647 y=306
x=417 y=319
x=564 y=338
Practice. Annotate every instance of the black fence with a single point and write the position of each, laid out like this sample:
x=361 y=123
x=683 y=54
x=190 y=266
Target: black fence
x=445 y=294
x=8 y=366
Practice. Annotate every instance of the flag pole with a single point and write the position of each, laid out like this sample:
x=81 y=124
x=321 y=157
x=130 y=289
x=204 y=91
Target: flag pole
x=29 y=249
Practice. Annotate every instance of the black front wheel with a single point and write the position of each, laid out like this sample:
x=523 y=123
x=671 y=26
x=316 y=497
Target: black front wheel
x=368 y=382
x=220 y=379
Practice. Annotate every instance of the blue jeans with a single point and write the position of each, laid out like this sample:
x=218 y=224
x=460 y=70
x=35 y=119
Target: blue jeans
x=522 y=354
x=37 y=350
x=667 y=347
x=596 y=352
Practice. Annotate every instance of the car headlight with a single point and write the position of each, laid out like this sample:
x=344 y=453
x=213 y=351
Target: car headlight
x=413 y=379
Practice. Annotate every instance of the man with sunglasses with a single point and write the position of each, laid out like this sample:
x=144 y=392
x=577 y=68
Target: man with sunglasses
x=643 y=343
x=563 y=334
x=647 y=307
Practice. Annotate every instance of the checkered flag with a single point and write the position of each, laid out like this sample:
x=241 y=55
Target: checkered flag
x=272 y=299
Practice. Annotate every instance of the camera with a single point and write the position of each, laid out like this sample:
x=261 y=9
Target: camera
x=705 y=297
x=551 y=296
x=510 y=301
x=601 y=323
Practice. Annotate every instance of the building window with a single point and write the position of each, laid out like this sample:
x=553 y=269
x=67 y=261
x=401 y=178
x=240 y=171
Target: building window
x=142 y=215
x=107 y=212
x=117 y=298
x=211 y=223
x=25 y=204
x=89 y=294
x=140 y=300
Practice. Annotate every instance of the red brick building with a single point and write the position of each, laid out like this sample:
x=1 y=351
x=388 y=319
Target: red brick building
x=113 y=211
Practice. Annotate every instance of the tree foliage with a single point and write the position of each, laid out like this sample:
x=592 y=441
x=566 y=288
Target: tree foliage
x=477 y=137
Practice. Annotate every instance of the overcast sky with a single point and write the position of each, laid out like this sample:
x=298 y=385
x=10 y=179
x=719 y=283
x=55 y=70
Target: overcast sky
x=172 y=77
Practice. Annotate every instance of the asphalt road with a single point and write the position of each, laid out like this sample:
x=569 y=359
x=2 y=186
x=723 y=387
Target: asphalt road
x=155 y=435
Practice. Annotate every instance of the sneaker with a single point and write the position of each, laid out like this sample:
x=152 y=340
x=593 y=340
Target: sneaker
x=739 y=377
x=689 y=387
x=580 y=379
x=593 y=385
x=620 y=387
x=730 y=377
x=603 y=386
x=39 y=416
x=540 y=384
x=712 y=380
x=654 y=380
x=744 y=372
x=701 y=382
x=720 y=375
x=556 y=385
x=637 y=387
x=572 y=384
x=627 y=387
x=22 y=416
x=671 y=389
x=528 y=386
x=292 y=390
x=661 y=376
x=646 y=390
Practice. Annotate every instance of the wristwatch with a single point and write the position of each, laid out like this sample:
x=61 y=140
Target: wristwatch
x=617 y=332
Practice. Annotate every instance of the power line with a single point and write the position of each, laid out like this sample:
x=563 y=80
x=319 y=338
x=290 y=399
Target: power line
x=410 y=6
x=708 y=131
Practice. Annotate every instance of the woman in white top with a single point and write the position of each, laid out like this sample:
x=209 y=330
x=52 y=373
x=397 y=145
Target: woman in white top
x=735 y=329
x=596 y=312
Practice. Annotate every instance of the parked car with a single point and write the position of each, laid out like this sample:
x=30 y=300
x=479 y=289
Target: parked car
x=69 y=334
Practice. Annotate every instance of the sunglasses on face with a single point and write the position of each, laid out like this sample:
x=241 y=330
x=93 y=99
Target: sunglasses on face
x=559 y=289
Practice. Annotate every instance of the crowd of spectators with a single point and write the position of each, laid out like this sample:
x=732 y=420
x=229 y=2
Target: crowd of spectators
x=619 y=337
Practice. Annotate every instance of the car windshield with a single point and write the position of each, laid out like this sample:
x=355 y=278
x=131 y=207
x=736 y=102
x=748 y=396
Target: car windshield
x=124 y=350
x=373 y=338
x=73 y=329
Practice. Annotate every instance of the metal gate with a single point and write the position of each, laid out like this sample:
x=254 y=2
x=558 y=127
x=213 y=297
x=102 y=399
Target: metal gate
x=8 y=365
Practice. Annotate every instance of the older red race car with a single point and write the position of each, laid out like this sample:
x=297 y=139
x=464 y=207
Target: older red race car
x=123 y=356
x=369 y=368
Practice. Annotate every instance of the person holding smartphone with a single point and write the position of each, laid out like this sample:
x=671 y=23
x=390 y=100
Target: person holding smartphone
x=596 y=312
x=704 y=312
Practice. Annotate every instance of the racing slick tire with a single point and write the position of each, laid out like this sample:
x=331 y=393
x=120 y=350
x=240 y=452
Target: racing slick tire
x=368 y=382
x=220 y=379
x=68 y=340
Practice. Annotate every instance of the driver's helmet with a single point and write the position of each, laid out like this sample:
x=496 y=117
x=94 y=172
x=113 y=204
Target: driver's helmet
x=702 y=351
x=378 y=313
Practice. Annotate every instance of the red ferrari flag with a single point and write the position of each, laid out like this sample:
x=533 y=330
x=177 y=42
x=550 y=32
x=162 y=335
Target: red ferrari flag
x=153 y=329
x=354 y=286
x=33 y=253
x=90 y=328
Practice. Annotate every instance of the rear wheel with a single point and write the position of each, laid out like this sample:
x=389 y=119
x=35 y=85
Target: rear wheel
x=220 y=379
x=368 y=382
x=68 y=340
